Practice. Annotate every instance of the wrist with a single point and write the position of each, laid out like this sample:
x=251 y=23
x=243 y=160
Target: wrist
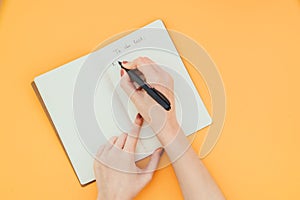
x=168 y=132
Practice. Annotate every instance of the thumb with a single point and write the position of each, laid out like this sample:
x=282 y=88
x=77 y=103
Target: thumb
x=154 y=160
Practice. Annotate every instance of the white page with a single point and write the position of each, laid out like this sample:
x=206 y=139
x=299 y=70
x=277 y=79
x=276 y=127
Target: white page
x=58 y=87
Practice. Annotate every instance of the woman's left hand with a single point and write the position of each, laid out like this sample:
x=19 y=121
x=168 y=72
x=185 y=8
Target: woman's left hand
x=117 y=175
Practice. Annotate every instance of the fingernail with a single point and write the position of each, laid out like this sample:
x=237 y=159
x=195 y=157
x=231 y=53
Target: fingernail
x=124 y=62
x=122 y=72
x=161 y=152
x=139 y=116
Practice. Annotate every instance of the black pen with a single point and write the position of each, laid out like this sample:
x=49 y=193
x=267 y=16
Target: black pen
x=151 y=91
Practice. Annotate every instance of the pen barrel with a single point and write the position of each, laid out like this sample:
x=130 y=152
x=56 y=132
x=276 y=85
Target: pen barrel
x=134 y=77
x=159 y=98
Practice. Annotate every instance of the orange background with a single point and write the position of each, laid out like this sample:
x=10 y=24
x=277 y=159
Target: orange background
x=256 y=45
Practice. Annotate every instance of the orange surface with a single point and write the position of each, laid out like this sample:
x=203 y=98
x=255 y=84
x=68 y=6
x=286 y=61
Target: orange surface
x=256 y=45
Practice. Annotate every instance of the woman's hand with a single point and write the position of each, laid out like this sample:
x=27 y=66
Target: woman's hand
x=163 y=123
x=117 y=175
x=195 y=181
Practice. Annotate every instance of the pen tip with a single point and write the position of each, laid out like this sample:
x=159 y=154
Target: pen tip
x=120 y=63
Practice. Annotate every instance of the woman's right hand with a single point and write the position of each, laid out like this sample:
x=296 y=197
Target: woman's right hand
x=163 y=123
x=195 y=181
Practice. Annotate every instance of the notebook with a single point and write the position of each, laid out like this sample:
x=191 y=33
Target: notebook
x=87 y=105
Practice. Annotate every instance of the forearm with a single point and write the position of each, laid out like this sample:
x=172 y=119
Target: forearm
x=193 y=177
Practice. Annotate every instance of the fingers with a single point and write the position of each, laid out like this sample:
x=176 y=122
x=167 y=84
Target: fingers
x=147 y=68
x=148 y=171
x=103 y=149
x=154 y=160
x=144 y=65
x=100 y=150
x=124 y=142
x=109 y=144
x=126 y=83
x=132 y=139
x=129 y=88
x=121 y=141
x=156 y=67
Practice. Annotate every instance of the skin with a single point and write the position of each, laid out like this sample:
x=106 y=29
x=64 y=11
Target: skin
x=194 y=179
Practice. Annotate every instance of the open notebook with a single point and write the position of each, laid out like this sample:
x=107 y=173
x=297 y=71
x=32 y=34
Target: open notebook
x=87 y=105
